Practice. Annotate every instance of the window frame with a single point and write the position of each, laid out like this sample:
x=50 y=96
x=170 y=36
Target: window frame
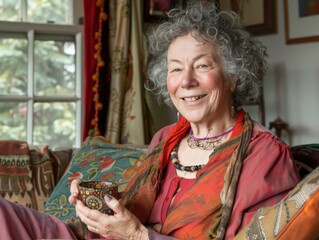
x=35 y=31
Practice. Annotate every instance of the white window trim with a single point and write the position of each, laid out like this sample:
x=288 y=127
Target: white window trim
x=56 y=32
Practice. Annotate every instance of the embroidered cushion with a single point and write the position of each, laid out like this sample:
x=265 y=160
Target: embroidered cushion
x=47 y=165
x=96 y=160
x=295 y=217
x=15 y=172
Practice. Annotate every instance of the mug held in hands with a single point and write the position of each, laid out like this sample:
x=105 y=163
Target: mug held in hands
x=92 y=194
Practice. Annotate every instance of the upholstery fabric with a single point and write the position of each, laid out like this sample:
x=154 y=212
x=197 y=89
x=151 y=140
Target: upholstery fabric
x=295 y=217
x=47 y=169
x=15 y=172
x=96 y=160
x=306 y=157
x=28 y=175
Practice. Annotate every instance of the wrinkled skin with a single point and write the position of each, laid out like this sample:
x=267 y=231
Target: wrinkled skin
x=122 y=225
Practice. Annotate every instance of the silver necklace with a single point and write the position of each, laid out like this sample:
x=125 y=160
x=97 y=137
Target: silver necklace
x=206 y=143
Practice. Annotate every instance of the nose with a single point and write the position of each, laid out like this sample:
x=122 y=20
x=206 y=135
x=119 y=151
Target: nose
x=188 y=79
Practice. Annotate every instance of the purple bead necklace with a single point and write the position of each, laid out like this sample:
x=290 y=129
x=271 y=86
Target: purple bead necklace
x=191 y=134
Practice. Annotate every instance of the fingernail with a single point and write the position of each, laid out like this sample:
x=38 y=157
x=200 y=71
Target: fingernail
x=108 y=197
x=74 y=194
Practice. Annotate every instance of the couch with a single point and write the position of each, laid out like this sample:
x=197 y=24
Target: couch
x=29 y=174
x=39 y=177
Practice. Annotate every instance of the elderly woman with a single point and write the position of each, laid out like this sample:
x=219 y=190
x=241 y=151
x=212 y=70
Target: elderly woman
x=206 y=175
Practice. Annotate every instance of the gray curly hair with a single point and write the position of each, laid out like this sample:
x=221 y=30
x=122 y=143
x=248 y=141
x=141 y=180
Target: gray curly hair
x=244 y=58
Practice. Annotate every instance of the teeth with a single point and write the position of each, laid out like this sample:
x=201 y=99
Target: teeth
x=191 y=99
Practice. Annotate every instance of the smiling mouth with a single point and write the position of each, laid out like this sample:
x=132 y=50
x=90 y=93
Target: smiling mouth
x=193 y=99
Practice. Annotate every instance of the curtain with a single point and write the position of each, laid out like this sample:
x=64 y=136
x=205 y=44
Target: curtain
x=96 y=87
x=125 y=122
x=114 y=63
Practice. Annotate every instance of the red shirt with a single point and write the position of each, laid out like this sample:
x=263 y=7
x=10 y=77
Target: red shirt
x=170 y=184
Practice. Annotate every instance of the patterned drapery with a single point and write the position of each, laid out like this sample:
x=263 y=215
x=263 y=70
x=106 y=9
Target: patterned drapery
x=125 y=122
x=114 y=71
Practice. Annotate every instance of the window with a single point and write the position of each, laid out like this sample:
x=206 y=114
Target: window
x=40 y=72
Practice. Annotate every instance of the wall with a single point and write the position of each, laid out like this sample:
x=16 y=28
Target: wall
x=291 y=86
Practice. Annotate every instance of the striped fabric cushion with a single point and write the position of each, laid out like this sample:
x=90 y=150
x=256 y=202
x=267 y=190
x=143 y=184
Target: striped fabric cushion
x=295 y=217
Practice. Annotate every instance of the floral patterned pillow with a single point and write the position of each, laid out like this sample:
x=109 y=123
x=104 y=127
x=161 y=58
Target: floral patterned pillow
x=96 y=160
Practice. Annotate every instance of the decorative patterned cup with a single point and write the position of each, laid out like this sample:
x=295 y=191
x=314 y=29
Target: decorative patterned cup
x=92 y=194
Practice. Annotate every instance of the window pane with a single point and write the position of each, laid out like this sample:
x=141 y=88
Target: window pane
x=57 y=128
x=13 y=66
x=48 y=11
x=10 y=10
x=54 y=66
x=13 y=120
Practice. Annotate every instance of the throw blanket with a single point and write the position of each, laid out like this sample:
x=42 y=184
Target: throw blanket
x=15 y=169
x=190 y=218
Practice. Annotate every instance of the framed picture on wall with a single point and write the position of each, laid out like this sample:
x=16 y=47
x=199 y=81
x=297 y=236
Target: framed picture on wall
x=301 y=21
x=260 y=16
x=155 y=10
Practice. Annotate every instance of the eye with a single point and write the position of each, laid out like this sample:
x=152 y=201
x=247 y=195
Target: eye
x=175 y=70
x=202 y=66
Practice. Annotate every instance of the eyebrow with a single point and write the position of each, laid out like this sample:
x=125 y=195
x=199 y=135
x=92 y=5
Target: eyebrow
x=193 y=60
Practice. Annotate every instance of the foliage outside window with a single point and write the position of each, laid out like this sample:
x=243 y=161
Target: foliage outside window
x=40 y=73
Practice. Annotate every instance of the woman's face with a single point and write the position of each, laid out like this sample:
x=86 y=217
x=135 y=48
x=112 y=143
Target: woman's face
x=195 y=80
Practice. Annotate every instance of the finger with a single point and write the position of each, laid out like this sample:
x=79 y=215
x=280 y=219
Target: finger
x=73 y=197
x=93 y=224
x=87 y=215
x=82 y=209
x=74 y=189
x=114 y=204
x=93 y=229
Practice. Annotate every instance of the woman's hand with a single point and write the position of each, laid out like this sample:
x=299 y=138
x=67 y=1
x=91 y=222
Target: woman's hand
x=74 y=189
x=122 y=225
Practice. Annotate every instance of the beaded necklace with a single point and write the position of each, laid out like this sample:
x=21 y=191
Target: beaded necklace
x=201 y=143
x=178 y=166
x=191 y=134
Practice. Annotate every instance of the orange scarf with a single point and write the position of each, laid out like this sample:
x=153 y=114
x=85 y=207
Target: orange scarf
x=200 y=214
